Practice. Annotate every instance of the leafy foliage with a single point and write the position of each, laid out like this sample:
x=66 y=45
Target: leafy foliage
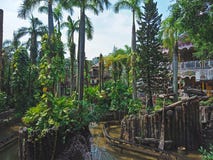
x=207 y=154
x=20 y=78
x=208 y=102
x=151 y=62
x=51 y=67
x=63 y=112
x=160 y=102
x=195 y=17
x=98 y=103
x=3 y=101
x=120 y=97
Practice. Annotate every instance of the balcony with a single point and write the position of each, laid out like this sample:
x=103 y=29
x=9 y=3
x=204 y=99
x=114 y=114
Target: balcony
x=201 y=70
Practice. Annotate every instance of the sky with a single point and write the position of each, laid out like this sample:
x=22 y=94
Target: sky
x=110 y=29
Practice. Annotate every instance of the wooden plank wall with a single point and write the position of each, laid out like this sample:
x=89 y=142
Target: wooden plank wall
x=181 y=121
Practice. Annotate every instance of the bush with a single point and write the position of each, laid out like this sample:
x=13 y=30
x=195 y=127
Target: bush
x=63 y=112
x=207 y=154
x=208 y=102
x=3 y=101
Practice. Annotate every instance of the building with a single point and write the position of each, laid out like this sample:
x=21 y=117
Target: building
x=193 y=72
x=94 y=75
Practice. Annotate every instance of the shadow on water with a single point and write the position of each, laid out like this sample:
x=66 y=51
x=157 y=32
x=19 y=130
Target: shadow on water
x=10 y=152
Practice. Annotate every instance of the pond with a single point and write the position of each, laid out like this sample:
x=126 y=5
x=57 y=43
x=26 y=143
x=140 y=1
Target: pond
x=100 y=149
x=10 y=152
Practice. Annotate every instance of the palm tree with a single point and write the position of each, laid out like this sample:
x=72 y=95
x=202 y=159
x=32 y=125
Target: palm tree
x=72 y=26
x=170 y=34
x=95 y=6
x=134 y=6
x=36 y=29
x=57 y=14
x=28 y=5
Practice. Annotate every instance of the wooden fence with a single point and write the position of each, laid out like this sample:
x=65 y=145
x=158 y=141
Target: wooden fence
x=178 y=125
x=55 y=144
x=206 y=119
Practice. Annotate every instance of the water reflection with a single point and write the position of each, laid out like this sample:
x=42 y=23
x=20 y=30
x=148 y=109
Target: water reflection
x=10 y=152
x=114 y=152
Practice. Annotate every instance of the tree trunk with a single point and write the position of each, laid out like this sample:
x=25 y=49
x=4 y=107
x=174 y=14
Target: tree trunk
x=50 y=19
x=87 y=73
x=134 y=94
x=33 y=48
x=175 y=71
x=101 y=72
x=72 y=61
x=81 y=55
x=1 y=41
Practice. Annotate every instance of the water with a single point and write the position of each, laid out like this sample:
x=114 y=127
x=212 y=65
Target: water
x=115 y=152
x=10 y=152
x=100 y=149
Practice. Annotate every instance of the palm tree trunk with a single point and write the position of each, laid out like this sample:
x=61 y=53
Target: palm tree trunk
x=81 y=55
x=134 y=94
x=72 y=61
x=33 y=48
x=175 y=72
x=133 y=33
x=87 y=73
x=101 y=72
x=50 y=18
x=1 y=40
x=78 y=65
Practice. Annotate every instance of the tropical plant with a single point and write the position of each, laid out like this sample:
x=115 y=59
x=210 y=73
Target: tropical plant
x=3 y=101
x=57 y=14
x=119 y=63
x=36 y=29
x=195 y=17
x=72 y=26
x=95 y=6
x=134 y=6
x=28 y=5
x=52 y=67
x=152 y=64
x=20 y=78
x=207 y=154
x=171 y=31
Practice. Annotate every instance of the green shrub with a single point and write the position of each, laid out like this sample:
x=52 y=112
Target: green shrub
x=207 y=154
x=160 y=103
x=208 y=102
x=3 y=100
x=63 y=112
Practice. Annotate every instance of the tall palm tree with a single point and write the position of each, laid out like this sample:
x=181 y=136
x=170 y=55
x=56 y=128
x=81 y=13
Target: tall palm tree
x=134 y=6
x=72 y=26
x=36 y=29
x=86 y=4
x=170 y=34
x=57 y=14
x=28 y=5
x=95 y=6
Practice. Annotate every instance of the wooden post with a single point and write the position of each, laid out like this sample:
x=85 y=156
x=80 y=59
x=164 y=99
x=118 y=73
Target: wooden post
x=162 y=134
x=184 y=123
